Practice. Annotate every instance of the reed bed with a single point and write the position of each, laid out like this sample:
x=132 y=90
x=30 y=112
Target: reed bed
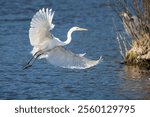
x=134 y=42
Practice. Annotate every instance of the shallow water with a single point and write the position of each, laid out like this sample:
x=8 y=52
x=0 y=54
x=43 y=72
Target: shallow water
x=108 y=80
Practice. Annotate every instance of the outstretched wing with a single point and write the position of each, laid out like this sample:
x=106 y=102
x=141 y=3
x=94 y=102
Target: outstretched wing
x=66 y=59
x=40 y=26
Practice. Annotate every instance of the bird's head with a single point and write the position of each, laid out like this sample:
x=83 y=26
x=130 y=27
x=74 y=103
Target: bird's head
x=78 y=29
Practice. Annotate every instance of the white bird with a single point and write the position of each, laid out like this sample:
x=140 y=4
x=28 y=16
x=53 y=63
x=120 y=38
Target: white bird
x=46 y=45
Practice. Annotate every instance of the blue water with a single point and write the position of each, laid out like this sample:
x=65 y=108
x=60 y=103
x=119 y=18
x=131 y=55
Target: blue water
x=108 y=80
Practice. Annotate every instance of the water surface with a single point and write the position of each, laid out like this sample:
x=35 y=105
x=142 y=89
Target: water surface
x=108 y=80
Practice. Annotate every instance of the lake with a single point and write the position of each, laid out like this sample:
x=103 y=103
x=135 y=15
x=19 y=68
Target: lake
x=107 y=80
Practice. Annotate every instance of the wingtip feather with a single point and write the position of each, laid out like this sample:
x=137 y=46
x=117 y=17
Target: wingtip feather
x=100 y=59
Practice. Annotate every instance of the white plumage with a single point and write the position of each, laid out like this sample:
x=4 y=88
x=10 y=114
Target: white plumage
x=40 y=26
x=66 y=59
x=45 y=45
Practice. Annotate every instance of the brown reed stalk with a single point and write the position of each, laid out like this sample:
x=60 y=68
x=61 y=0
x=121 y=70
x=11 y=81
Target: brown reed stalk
x=135 y=18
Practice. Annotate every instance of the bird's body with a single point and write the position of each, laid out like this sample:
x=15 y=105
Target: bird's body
x=46 y=45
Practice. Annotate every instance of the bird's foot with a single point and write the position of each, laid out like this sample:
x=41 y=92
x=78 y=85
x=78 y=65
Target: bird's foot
x=26 y=66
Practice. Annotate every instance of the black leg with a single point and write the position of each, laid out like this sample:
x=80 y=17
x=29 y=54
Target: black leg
x=32 y=60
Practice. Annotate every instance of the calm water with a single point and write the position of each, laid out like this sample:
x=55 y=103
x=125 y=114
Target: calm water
x=108 y=80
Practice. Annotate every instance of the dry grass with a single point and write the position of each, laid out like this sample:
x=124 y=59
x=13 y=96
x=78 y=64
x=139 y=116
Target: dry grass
x=137 y=26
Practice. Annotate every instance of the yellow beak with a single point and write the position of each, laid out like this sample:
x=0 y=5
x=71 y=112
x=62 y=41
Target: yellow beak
x=84 y=29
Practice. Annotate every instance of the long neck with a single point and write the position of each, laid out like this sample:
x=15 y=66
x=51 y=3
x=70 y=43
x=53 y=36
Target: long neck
x=69 y=38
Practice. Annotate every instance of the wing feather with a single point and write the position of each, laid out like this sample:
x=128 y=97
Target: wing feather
x=66 y=59
x=40 y=26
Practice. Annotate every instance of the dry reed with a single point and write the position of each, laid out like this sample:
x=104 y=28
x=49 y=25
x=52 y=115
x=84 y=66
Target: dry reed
x=135 y=17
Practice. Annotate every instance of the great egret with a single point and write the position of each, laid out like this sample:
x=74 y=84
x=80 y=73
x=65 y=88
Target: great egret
x=46 y=45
